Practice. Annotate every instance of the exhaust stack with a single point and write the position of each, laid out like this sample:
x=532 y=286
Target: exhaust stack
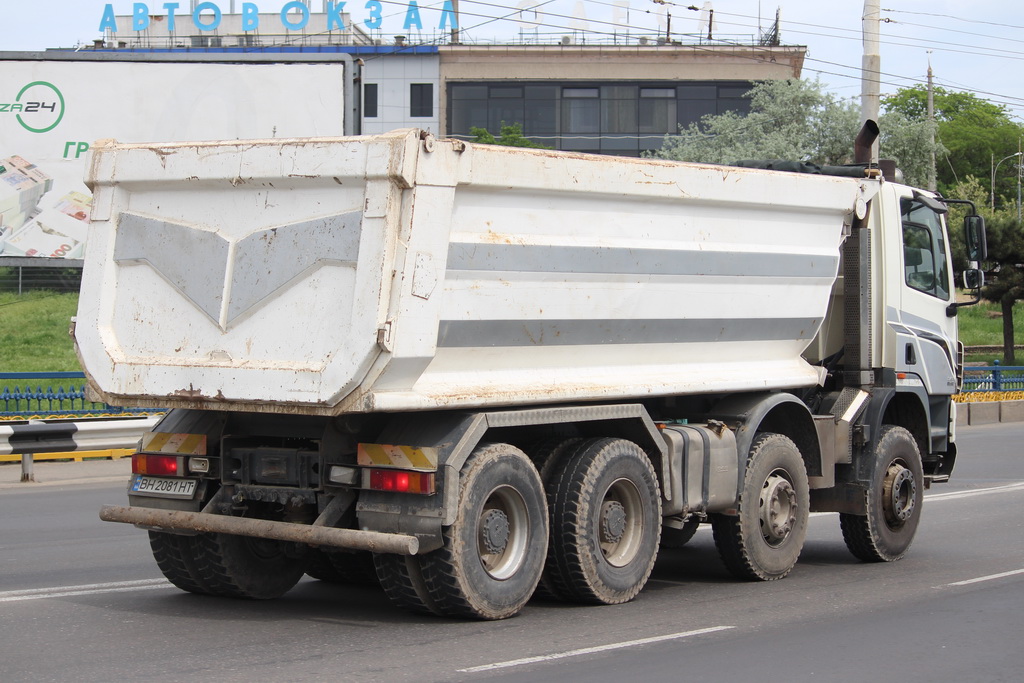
x=862 y=144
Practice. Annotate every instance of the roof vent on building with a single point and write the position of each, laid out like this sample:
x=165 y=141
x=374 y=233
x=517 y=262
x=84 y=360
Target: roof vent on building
x=566 y=40
x=98 y=44
x=400 y=40
x=643 y=40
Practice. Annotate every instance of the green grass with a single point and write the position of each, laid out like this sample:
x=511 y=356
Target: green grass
x=982 y=325
x=34 y=332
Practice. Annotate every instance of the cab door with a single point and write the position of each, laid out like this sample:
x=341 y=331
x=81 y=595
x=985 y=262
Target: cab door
x=927 y=335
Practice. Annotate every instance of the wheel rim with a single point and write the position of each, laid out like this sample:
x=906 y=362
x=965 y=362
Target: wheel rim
x=503 y=533
x=778 y=508
x=621 y=523
x=899 y=494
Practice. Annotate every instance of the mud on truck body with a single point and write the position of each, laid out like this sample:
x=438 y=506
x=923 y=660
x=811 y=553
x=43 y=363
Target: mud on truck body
x=476 y=373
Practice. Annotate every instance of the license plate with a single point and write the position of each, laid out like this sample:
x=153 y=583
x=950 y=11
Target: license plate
x=163 y=486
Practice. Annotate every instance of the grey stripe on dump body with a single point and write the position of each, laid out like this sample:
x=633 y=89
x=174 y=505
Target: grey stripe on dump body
x=489 y=333
x=196 y=261
x=571 y=259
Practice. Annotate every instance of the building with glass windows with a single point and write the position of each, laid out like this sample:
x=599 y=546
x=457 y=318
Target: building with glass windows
x=611 y=99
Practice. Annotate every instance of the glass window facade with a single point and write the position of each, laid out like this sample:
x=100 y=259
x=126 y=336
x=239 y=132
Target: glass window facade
x=370 y=100
x=421 y=99
x=624 y=118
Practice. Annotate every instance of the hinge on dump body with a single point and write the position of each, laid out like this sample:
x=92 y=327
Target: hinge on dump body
x=384 y=337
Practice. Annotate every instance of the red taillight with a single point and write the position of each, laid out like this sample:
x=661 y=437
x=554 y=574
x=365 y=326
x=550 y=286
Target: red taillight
x=166 y=465
x=402 y=481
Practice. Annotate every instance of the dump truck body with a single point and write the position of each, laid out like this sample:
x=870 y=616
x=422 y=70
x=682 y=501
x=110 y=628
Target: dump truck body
x=363 y=275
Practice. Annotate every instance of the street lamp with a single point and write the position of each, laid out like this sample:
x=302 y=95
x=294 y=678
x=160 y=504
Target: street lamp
x=996 y=168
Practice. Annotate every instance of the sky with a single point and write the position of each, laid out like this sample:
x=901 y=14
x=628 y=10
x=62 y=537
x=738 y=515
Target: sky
x=976 y=46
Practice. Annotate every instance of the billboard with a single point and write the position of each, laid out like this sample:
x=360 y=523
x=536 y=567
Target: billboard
x=52 y=111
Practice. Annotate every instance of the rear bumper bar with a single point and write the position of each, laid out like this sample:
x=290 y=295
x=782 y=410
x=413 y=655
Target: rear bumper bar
x=353 y=539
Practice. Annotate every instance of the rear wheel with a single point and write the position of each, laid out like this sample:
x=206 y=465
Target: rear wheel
x=764 y=540
x=548 y=456
x=402 y=581
x=176 y=557
x=231 y=566
x=672 y=537
x=245 y=567
x=606 y=521
x=493 y=554
x=342 y=566
x=893 y=500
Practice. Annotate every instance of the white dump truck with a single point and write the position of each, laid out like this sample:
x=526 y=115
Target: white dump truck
x=476 y=373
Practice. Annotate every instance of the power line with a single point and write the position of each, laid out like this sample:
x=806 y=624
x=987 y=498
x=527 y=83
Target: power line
x=950 y=16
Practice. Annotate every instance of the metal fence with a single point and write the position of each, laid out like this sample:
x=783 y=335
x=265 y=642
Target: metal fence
x=994 y=378
x=44 y=394
x=32 y=273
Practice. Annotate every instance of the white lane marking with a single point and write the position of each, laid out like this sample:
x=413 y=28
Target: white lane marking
x=85 y=589
x=592 y=650
x=990 y=577
x=976 y=492
x=956 y=495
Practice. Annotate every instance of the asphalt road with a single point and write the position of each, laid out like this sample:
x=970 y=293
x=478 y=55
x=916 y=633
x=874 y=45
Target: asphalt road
x=83 y=600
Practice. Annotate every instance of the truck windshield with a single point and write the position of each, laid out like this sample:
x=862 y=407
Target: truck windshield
x=924 y=249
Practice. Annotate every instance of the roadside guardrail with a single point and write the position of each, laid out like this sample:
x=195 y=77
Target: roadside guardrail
x=32 y=437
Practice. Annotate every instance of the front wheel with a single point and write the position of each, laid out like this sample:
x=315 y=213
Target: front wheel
x=763 y=542
x=893 y=500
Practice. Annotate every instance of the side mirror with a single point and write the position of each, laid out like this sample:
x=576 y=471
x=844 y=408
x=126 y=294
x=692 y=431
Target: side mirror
x=974 y=278
x=977 y=243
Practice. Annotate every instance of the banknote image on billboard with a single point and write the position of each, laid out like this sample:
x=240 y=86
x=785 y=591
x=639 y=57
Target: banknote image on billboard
x=51 y=113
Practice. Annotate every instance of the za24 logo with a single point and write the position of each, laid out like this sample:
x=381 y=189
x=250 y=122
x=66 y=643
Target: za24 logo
x=39 y=107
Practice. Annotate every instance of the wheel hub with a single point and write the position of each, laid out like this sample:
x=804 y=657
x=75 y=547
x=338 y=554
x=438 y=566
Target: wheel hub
x=613 y=521
x=778 y=506
x=494 y=531
x=899 y=494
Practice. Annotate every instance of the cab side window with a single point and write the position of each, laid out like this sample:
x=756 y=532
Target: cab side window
x=924 y=250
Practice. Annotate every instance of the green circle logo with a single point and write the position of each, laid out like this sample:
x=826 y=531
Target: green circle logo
x=40 y=103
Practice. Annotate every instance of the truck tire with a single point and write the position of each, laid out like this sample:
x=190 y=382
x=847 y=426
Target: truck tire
x=893 y=500
x=402 y=580
x=493 y=554
x=176 y=555
x=672 y=537
x=245 y=567
x=763 y=541
x=342 y=567
x=547 y=456
x=606 y=523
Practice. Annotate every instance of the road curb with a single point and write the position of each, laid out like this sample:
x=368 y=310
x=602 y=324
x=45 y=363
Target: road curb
x=989 y=412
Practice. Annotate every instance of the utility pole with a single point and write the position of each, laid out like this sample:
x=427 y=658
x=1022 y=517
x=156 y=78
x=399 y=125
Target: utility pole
x=870 y=68
x=455 y=28
x=931 y=126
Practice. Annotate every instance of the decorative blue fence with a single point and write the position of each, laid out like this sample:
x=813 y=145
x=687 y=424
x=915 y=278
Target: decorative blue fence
x=994 y=378
x=27 y=394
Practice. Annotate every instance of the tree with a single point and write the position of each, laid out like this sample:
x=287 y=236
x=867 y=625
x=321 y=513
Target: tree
x=511 y=136
x=797 y=119
x=1004 y=270
x=971 y=129
x=1006 y=284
